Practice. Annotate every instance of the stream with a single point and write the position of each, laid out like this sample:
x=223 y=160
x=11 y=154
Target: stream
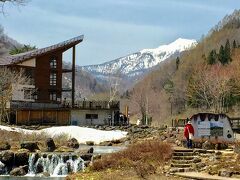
x=56 y=166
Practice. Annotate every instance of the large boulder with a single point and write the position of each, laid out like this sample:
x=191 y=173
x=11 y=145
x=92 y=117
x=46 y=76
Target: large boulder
x=21 y=157
x=73 y=143
x=4 y=146
x=31 y=146
x=90 y=150
x=2 y=168
x=86 y=157
x=39 y=168
x=90 y=143
x=7 y=157
x=50 y=145
x=19 y=171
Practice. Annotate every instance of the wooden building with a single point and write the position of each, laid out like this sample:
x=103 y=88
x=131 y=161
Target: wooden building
x=39 y=102
x=44 y=68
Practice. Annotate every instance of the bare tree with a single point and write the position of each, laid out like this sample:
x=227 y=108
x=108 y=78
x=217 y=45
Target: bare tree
x=210 y=86
x=9 y=82
x=114 y=79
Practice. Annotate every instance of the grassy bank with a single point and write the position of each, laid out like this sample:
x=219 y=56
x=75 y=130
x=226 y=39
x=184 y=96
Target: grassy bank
x=140 y=160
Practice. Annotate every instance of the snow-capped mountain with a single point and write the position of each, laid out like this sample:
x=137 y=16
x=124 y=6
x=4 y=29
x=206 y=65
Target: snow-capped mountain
x=138 y=63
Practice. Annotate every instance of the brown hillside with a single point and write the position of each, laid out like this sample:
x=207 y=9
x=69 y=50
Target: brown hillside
x=164 y=90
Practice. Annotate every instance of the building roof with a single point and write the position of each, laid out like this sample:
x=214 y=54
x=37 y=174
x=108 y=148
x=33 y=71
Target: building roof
x=39 y=52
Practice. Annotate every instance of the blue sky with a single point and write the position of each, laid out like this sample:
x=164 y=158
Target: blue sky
x=112 y=28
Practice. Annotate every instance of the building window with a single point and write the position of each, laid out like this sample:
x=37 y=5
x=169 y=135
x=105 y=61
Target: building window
x=53 y=63
x=53 y=79
x=53 y=96
x=28 y=94
x=91 y=116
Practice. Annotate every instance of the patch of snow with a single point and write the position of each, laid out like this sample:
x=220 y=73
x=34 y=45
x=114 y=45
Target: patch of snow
x=82 y=134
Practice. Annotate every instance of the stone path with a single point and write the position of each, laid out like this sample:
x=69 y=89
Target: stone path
x=182 y=160
x=184 y=163
x=202 y=176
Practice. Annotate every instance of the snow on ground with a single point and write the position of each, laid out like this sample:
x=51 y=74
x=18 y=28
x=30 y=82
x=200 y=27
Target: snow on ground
x=82 y=134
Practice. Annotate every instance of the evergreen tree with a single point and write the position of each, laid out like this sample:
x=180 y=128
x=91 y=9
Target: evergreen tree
x=23 y=49
x=234 y=44
x=227 y=50
x=212 y=56
x=177 y=62
x=221 y=56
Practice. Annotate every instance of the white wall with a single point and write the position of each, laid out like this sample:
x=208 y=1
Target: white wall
x=200 y=130
x=29 y=63
x=18 y=93
x=79 y=116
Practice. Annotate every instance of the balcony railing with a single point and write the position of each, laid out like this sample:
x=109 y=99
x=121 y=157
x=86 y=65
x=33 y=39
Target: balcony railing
x=93 y=105
x=84 y=105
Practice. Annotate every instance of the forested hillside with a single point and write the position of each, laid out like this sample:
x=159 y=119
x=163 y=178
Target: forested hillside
x=202 y=79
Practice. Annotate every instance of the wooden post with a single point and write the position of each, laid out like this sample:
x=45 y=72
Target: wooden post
x=73 y=75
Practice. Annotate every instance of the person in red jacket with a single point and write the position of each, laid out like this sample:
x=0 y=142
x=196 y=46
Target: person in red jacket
x=189 y=133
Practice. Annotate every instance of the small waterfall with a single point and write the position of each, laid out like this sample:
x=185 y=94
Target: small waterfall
x=54 y=164
x=3 y=168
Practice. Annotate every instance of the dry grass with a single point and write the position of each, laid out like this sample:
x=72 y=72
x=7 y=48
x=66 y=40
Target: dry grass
x=143 y=157
x=16 y=138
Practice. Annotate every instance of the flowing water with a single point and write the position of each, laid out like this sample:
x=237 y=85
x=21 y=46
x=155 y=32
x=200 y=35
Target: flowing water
x=54 y=164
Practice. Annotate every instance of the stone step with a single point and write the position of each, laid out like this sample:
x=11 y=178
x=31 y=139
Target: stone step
x=174 y=170
x=183 y=157
x=183 y=153
x=185 y=161
x=181 y=165
x=183 y=150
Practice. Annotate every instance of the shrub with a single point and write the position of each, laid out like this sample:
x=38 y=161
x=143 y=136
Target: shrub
x=141 y=156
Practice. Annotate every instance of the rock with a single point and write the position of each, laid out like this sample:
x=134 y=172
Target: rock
x=200 y=165
x=2 y=168
x=90 y=150
x=44 y=155
x=21 y=157
x=5 y=146
x=7 y=157
x=19 y=171
x=196 y=160
x=39 y=168
x=45 y=174
x=218 y=153
x=105 y=143
x=178 y=143
x=90 y=143
x=87 y=163
x=65 y=157
x=98 y=156
x=31 y=146
x=50 y=145
x=86 y=157
x=144 y=126
x=163 y=137
x=225 y=173
x=116 y=141
x=206 y=145
x=73 y=143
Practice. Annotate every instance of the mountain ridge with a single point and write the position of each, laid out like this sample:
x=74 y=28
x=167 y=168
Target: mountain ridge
x=138 y=63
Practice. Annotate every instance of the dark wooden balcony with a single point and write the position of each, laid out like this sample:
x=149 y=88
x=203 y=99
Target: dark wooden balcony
x=66 y=70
